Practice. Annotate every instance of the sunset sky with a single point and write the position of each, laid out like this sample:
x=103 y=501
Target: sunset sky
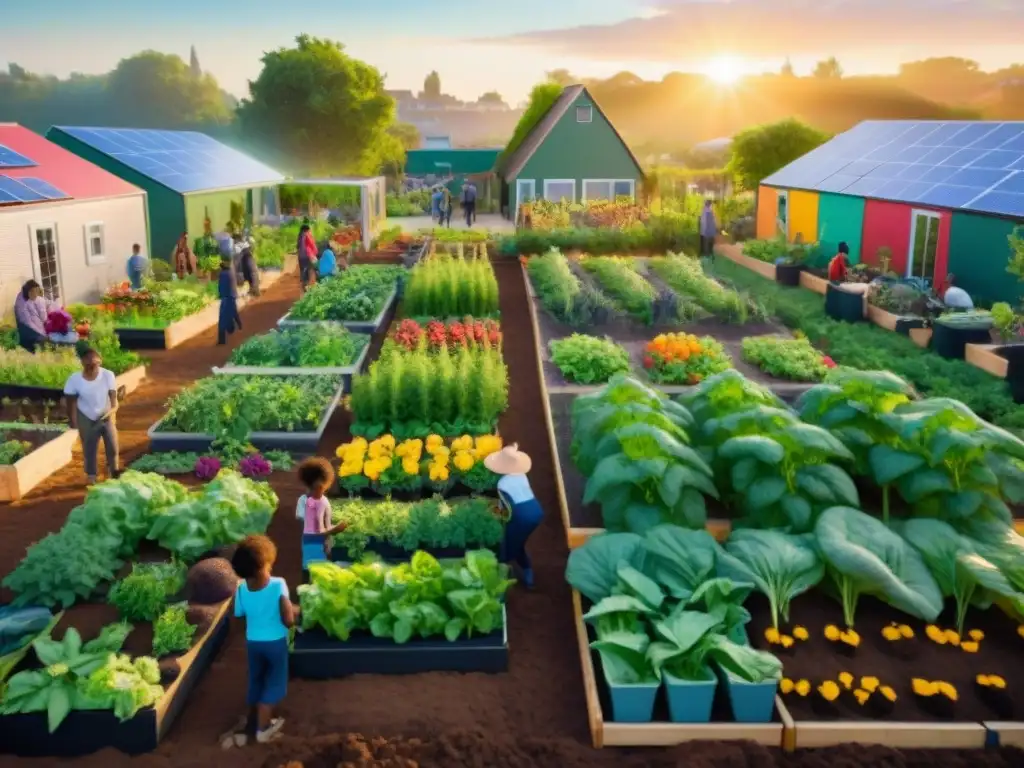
x=480 y=45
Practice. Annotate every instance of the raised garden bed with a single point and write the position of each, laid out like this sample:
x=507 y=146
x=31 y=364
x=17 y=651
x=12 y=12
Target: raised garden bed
x=734 y=254
x=51 y=450
x=907 y=725
x=789 y=274
x=356 y=326
x=127 y=383
x=606 y=733
x=176 y=333
x=391 y=553
x=844 y=305
x=345 y=371
x=813 y=282
x=84 y=732
x=987 y=357
x=317 y=656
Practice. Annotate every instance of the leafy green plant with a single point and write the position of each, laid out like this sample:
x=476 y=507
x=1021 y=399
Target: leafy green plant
x=785 y=358
x=142 y=594
x=563 y=294
x=686 y=276
x=358 y=294
x=620 y=279
x=433 y=523
x=1007 y=322
x=864 y=557
x=588 y=359
x=444 y=286
x=306 y=346
x=13 y=450
x=171 y=631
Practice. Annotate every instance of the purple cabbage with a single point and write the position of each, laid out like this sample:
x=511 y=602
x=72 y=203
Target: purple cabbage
x=207 y=467
x=255 y=466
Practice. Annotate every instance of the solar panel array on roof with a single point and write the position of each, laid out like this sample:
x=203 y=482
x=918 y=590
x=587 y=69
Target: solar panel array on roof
x=973 y=166
x=11 y=159
x=28 y=190
x=184 y=161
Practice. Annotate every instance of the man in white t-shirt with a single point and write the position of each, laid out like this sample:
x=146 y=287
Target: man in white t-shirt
x=92 y=401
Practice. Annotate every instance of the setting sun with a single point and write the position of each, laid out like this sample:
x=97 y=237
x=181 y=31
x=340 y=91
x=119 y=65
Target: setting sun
x=724 y=70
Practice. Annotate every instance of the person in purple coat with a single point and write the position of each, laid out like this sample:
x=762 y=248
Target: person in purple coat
x=708 y=230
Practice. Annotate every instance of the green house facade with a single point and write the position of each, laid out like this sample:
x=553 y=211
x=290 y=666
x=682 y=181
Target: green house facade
x=573 y=153
x=188 y=177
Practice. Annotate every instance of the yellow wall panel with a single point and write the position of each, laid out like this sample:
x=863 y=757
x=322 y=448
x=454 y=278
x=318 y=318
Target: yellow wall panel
x=767 y=208
x=803 y=215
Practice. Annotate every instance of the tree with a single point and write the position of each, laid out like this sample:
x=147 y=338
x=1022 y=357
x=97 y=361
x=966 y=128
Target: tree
x=787 y=68
x=829 y=69
x=407 y=134
x=542 y=98
x=320 y=109
x=759 y=152
x=492 y=97
x=432 y=86
x=197 y=70
x=561 y=76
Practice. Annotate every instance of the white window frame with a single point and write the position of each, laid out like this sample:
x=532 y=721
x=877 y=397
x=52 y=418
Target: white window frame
x=590 y=113
x=37 y=273
x=611 y=183
x=533 y=194
x=559 y=181
x=935 y=220
x=92 y=259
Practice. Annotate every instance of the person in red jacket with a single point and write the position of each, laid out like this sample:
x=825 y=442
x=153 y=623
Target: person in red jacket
x=838 y=268
x=306 y=252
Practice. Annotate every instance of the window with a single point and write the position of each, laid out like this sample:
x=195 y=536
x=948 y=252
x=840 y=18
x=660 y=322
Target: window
x=47 y=262
x=585 y=114
x=95 y=243
x=924 y=244
x=607 y=189
x=557 y=190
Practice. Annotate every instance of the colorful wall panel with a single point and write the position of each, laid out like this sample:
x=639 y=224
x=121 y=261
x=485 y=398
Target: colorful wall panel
x=891 y=225
x=978 y=252
x=840 y=219
x=767 y=208
x=803 y=215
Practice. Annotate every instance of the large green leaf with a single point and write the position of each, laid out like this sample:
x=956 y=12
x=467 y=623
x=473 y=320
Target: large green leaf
x=764 y=449
x=691 y=510
x=764 y=492
x=743 y=662
x=678 y=559
x=866 y=557
x=679 y=647
x=592 y=569
x=919 y=485
x=743 y=473
x=889 y=465
x=815 y=439
x=797 y=510
x=621 y=470
x=839 y=483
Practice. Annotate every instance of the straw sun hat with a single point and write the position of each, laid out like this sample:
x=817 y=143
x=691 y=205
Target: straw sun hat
x=509 y=461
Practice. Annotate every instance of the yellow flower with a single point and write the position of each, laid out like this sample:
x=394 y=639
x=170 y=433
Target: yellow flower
x=947 y=690
x=786 y=685
x=376 y=450
x=969 y=646
x=802 y=687
x=829 y=690
x=340 y=450
x=388 y=441
x=935 y=634
x=349 y=469
x=433 y=443
x=952 y=637
x=888 y=692
x=800 y=633
x=410 y=466
x=438 y=474
x=906 y=631
x=464 y=443
x=850 y=637
x=786 y=641
x=891 y=634
x=846 y=679
x=486 y=445
x=869 y=684
x=771 y=635
x=976 y=635
x=922 y=687
x=463 y=461
x=861 y=696
x=995 y=681
x=832 y=632
x=983 y=680
x=372 y=470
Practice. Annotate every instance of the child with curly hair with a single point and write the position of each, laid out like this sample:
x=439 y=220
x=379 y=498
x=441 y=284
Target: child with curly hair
x=263 y=601
x=314 y=509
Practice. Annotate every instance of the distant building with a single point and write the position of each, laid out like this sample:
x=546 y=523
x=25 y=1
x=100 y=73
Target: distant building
x=436 y=142
x=64 y=222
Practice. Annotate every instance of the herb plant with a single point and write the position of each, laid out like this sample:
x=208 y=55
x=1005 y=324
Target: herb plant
x=562 y=293
x=358 y=294
x=686 y=276
x=620 y=279
x=13 y=450
x=171 y=632
x=588 y=359
x=316 y=345
x=445 y=286
x=142 y=594
x=785 y=358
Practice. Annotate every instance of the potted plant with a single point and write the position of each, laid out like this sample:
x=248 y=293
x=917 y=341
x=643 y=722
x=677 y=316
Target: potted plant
x=751 y=679
x=953 y=331
x=789 y=266
x=680 y=658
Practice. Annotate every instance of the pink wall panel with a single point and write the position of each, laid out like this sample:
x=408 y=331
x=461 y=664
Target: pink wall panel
x=889 y=224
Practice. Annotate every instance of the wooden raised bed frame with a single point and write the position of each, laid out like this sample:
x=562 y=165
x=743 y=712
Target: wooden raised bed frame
x=735 y=253
x=983 y=356
x=937 y=735
x=30 y=470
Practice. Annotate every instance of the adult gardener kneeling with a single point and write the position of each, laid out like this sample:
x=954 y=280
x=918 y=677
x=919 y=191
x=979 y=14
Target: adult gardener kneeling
x=517 y=495
x=92 y=402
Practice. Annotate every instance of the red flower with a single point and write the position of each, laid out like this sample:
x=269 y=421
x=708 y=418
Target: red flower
x=648 y=362
x=828 y=361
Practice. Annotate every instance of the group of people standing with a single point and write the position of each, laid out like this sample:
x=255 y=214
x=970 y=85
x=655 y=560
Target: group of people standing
x=441 y=204
x=315 y=263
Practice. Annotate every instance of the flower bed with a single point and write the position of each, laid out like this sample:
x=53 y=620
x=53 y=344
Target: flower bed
x=682 y=358
x=794 y=359
x=272 y=412
x=446 y=286
x=360 y=298
x=414 y=394
x=31 y=453
x=349 y=628
x=453 y=334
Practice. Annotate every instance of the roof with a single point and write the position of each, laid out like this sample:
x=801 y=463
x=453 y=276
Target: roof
x=974 y=166
x=517 y=161
x=422 y=162
x=183 y=161
x=67 y=174
x=335 y=181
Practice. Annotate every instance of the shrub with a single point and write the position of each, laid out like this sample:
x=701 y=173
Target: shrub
x=588 y=359
x=784 y=358
x=446 y=286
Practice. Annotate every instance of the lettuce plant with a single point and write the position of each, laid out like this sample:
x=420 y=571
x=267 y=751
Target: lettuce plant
x=142 y=594
x=123 y=685
x=588 y=359
x=171 y=631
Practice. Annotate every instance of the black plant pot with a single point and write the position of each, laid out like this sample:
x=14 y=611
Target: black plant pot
x=788 y=274
x=905 y=324
x=1014 y=355
x=950 y=342
x=843 y=305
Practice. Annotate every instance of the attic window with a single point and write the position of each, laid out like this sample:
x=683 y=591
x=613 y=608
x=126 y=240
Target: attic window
x=585 y=114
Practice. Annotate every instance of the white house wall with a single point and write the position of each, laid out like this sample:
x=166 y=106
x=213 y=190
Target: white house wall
x=124 y=223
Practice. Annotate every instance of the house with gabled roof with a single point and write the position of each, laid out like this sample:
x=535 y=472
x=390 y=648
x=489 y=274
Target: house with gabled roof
x=64 y=222
x=573 y=153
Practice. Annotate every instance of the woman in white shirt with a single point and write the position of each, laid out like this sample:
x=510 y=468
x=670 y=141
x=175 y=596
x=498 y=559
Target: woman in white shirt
x=526 y=513
x=92 y=401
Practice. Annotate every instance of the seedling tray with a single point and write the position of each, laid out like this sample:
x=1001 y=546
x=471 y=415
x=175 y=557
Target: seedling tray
x=84 y=732
x=356 y=326
x=319 y=657
x=293 y=442
x=345 y=371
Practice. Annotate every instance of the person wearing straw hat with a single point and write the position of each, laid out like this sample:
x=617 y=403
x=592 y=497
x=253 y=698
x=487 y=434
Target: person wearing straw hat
x=516 y=494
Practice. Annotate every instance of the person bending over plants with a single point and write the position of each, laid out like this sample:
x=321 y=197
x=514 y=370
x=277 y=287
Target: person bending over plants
x=263 y=601
x=525 y=511
x=314 y=509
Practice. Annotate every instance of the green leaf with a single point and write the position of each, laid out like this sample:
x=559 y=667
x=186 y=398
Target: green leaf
x=764 y=492
x=797 y=511
x=640 y=517
x=592 y=569
x=453 y=629
x=677 y=559
x=764 y=449
x=743 y=473
x=640 y=585
x=813 y=438
x=619 y=470
x=743 y=662
x=839 y=483
x=671 y=485
x=889 y=465
x=58 y=706
x=913 y=488
x=692 y=509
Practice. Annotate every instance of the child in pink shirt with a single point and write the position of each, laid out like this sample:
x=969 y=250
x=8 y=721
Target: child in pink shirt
x=314 y=509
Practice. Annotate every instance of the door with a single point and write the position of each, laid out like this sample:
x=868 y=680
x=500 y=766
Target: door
x=924 y=244
x=46 y=261
x=782 y=214
x=526 y=190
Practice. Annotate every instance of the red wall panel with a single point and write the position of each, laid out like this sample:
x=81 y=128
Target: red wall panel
x=889 y=224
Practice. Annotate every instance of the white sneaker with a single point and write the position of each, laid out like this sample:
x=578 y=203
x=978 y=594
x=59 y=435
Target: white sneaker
x=271 y=732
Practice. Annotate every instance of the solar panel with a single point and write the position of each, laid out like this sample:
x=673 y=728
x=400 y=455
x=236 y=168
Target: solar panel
x=19 y=191
x=183 y=161
x=11 y=159
x=947 y=164
x=44 y=188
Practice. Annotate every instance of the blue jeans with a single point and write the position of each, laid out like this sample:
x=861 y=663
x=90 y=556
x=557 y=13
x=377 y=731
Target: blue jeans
x=526 y=516
x=268 y=671
x=312 y=549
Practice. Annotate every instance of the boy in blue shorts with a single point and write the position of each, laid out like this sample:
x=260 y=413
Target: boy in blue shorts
x=263 y=601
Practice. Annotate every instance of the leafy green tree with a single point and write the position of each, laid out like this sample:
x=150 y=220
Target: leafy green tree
x=162 y=92
x=542 y=98
x=407 y=134
x=321 y=110
x=761 y=151
x=432 y=86
x=829 y=69
x=491 y=97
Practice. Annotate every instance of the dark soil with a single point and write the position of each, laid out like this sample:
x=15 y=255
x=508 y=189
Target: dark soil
x=534 y=715
x=895 y=664
x=14 y=409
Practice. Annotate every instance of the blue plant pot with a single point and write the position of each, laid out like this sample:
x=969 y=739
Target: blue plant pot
x=690 y=701
x=633 y=703
x=751 y=702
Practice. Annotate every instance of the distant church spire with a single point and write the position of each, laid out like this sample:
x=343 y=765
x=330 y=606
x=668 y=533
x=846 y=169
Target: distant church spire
x=787 y=68
x=194 y=64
